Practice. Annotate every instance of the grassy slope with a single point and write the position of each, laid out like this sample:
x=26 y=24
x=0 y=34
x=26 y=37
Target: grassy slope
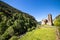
x=43 y=33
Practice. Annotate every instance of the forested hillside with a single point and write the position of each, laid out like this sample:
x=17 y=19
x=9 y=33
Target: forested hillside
x=14 y=22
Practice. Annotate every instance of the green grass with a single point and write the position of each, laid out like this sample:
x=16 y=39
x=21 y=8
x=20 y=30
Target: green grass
x=43 y=33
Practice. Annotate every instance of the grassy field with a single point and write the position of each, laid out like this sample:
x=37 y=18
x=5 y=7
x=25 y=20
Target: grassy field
x=43 y=33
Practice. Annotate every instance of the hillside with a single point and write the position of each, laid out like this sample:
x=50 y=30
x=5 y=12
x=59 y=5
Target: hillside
x=57 y=16
x=14 y=22
x=43 y=33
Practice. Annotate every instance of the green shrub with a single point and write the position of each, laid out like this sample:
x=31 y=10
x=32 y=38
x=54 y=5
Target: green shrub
x=8 y=33
x=57 y=21
x=14 y=38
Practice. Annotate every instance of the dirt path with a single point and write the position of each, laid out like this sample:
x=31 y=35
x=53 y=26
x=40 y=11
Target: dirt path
x=57 y=34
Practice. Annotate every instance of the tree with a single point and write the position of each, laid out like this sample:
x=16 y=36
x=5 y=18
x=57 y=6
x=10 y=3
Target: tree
x=57 y=21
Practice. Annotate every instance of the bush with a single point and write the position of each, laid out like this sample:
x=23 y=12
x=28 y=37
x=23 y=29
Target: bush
x=14 y=38
x=8 y=33
x=57 y=22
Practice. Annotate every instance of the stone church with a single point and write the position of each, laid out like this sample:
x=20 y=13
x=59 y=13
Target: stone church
x=48 y=21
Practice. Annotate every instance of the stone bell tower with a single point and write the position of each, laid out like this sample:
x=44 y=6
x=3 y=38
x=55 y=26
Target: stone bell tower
x=50 y=19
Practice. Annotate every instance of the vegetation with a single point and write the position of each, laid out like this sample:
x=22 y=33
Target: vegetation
x=43 y=33
x=13 y=22
x=14 y=38
x=57 y=21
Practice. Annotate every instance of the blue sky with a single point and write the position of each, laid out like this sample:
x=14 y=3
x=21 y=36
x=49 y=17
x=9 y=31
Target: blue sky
x=37 y=8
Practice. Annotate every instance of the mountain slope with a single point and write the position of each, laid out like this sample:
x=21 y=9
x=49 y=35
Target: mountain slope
x=14 y=22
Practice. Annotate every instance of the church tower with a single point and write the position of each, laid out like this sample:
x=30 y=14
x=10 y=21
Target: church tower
x=50 y=19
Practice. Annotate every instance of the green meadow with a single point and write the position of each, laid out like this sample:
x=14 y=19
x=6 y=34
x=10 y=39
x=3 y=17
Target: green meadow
x=43 y=33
